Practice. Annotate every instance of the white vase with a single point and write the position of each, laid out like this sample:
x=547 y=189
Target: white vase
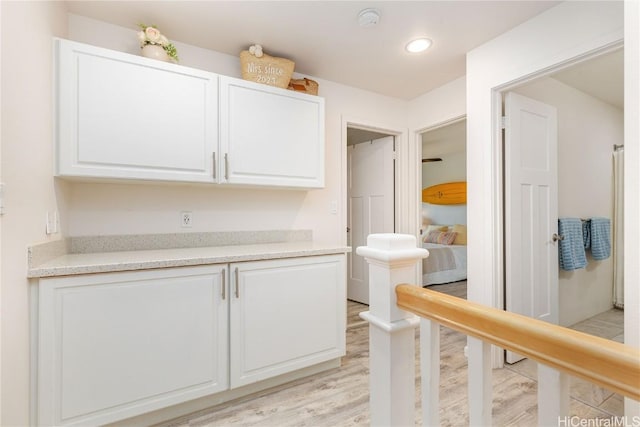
x=156 y=52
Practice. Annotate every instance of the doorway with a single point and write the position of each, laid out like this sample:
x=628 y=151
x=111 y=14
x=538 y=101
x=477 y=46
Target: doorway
x=589 y=101
x=443 y=175
x=370 y=200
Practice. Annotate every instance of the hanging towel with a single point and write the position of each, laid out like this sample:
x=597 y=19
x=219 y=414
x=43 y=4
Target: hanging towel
x=600 y=238
x=586 y=233
x=571 y=248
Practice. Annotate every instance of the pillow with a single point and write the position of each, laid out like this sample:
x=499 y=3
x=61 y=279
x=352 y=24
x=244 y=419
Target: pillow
x=461 y=237
x=442 y=237
x=435 y=227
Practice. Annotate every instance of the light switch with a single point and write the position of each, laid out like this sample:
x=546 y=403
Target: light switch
x=1 y=198
x=52 y=222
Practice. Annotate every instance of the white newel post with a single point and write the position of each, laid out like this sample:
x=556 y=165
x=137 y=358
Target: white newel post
x=392 y=260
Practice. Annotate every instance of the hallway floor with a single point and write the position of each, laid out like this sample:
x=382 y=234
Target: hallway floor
x=340 y=397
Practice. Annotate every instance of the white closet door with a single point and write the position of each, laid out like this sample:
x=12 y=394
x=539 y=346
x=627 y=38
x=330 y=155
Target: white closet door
x=531 y=210
x=371 y=205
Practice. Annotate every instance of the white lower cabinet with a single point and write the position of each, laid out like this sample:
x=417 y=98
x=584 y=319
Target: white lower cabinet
x=285 y=315
x=114 y=345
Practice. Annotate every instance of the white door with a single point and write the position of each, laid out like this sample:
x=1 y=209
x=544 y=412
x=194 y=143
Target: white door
x=371 y=205
x=531 y=209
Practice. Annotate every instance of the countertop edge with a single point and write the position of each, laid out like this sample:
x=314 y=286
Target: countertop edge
x=75 y=264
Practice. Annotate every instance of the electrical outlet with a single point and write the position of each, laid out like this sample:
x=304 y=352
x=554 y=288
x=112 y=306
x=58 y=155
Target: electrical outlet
x=186 y=219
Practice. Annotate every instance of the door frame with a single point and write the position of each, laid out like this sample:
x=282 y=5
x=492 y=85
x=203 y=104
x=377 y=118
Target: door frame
x=400 y=136
x=497 y=160
x=418 y=178
x=417 y=134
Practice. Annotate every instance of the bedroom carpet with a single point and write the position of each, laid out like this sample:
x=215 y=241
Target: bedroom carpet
x=340 y=397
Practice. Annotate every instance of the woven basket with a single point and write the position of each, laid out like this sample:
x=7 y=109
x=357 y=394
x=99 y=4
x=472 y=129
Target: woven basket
x=304 y=85
x=266 y=69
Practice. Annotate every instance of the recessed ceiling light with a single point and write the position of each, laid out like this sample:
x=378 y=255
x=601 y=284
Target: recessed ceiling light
x=418 y=45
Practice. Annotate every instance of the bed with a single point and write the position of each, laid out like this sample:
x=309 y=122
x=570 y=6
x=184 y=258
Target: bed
x=445 y=264
x=444 y=214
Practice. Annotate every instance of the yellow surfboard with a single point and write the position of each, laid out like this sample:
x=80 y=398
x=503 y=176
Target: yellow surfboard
x=448 y=193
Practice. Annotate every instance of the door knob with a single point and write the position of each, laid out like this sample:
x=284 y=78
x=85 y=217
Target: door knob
x=557 y=237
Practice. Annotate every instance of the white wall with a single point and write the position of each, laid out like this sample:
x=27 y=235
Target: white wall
x=587 y=130
x=433 y=109
x=153 y=208
x=27 y=168
x=632 y=182
x=441 y=105
x=453 y=167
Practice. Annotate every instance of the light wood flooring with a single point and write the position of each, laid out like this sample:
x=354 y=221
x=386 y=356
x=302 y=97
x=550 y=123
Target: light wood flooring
x=340 y=397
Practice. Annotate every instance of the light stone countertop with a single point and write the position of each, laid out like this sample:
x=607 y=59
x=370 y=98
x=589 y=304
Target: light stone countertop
x=110 y=253
x=102 y=262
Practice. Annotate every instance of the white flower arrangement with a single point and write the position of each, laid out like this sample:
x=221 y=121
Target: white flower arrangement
x=151 y=35
x=256 y=50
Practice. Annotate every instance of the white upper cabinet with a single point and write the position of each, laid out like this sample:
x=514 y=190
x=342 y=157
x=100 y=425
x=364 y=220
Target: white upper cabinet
x=125 y=116
x=270 y=136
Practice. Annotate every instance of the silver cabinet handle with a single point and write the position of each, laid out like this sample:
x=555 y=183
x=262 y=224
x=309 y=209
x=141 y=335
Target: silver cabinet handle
x=224 y=283
x=557 y=237
x=237 y=284
x=214 y=165
x=226 y=166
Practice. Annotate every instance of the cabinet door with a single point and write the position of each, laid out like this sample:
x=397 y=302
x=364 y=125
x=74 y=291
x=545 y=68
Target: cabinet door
x=125 y=116
x=285 y=315
x=270 y=136
x=116 y=345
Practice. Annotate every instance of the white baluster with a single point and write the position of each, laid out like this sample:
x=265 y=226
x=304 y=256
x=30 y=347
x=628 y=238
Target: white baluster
x=392 y=260
x=430 y=369
x=553 y=396
x=479 y=386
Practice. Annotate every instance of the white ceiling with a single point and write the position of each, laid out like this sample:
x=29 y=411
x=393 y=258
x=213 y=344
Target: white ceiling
x=447 y=139
x=601 y=77
x=324 y=39
x=356 y=136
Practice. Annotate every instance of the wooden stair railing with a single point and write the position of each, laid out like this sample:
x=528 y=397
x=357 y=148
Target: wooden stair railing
x=559 y=351
x=607 y=363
